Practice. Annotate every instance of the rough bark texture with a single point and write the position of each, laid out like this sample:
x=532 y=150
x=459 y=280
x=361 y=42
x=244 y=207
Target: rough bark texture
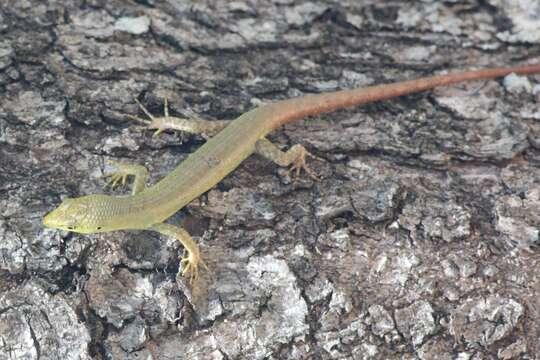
x=420 y=241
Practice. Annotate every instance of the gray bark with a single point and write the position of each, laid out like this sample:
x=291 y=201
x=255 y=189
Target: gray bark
x=421 y=240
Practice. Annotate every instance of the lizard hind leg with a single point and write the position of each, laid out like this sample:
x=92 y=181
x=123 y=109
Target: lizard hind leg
x=159 y=124
x=295 y=156
x=122 y=171
x=167 y=122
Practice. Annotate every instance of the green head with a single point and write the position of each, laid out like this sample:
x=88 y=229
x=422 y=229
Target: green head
x=83 y=215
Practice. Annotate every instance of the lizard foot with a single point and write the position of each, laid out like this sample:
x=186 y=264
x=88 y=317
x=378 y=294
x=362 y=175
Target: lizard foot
x=120 y=173
x=159 y=124
x=300 y=162
x=116 y=177
x=190 y=266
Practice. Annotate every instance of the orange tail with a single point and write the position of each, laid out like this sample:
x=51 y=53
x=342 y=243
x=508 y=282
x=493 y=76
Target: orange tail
x=297 y=108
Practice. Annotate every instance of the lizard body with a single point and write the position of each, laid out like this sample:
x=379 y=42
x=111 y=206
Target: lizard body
x=148 y=208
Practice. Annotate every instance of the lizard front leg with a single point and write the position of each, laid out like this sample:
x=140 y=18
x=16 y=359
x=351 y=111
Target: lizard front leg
x=121 y=173
x=199 y=126
x=296 y=156
x=192 y=261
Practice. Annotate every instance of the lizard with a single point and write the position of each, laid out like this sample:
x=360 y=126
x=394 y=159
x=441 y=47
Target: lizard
x=147 y=208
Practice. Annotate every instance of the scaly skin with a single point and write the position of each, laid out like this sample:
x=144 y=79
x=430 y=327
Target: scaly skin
x=148 y=208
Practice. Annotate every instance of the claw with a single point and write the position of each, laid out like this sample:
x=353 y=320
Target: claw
x=139 y=119
x=166 y=107
x=300 y=164
x=115 y=176
x=154 y=122
x=190 y=267
x=144 y=109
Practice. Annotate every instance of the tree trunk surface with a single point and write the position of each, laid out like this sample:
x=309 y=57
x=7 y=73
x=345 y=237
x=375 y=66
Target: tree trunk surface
x=419 y=241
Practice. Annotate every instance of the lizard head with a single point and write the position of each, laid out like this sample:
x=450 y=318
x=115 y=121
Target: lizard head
x=80 y=215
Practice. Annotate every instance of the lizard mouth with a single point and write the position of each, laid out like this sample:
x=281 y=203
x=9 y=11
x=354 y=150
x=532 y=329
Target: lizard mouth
x=52 y=222
x=48 y=221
